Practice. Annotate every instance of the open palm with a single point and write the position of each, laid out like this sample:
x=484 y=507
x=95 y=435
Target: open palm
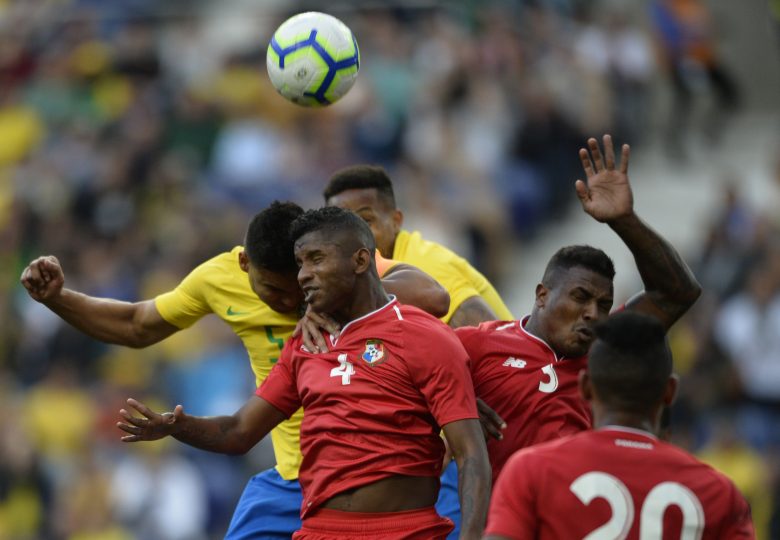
x=606 y=193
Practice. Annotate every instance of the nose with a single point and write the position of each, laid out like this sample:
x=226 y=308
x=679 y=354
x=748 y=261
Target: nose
x=304 y=275
x=591 y=311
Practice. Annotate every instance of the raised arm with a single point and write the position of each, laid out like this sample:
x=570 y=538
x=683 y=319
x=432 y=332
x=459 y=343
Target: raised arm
x=413 y=286
x=137 y=324
x=669 y=285
x=467 y=444
x=235 y=434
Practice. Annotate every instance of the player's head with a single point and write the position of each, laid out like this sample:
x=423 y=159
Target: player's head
x=368 y=191
x=629 y=368
x=575 y=293
x=334 y=251
x=268 y=257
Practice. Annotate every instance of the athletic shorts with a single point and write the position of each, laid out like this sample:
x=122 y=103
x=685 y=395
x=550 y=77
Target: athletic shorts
x=269 y=509
x=420 y=524
x=448 y=504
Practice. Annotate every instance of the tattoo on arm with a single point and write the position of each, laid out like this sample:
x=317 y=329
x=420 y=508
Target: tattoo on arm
x=471 y=312
x=670 y=286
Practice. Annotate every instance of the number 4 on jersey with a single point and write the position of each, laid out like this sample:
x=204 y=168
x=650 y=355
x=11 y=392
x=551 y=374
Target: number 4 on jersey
x=345 y=369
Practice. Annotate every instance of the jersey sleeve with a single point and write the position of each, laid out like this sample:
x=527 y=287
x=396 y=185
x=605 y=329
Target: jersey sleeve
x=280 y=388
x=469 y=337
x=512 y=513
x=740 y=524
x=383 y=266
x=439 y=369
x=187 y=303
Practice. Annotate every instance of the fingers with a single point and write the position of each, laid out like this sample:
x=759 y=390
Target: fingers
x=587 y=165
x=134 y=420
x=625 y=150
x=582 y=191
x=609 y=153
x=595 y=153
x=141 y=408
x=492 y=423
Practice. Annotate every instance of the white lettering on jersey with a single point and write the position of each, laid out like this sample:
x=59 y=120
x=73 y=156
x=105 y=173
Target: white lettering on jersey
x=514 y=362
x=548 y=387
x=597 y=484
x=345 y=369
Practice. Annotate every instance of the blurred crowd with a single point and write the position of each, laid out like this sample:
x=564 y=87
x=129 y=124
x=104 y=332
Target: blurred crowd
x=138 y=138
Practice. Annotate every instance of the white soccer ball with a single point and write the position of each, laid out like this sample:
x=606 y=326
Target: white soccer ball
x=313 y=59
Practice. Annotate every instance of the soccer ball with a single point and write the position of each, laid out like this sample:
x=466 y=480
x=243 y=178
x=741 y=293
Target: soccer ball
x=313 y=59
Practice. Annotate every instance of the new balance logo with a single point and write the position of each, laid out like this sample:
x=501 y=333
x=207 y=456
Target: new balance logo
x=514 y=362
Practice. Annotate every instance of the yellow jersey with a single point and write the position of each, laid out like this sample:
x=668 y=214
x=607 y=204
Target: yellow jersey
x=454 y=273
x=220 y=286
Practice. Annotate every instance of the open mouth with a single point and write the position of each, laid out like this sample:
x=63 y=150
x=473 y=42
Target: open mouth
x=309 y=293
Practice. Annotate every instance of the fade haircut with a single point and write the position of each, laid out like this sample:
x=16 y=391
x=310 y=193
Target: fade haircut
x=630 y=362
x=361 y=177
x=587 y=257
x=334 y=221
x=268 y=244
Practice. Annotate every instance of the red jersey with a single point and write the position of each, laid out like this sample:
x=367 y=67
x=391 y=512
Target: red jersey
x=524 y=381
x=374 y=405
x=614 y=483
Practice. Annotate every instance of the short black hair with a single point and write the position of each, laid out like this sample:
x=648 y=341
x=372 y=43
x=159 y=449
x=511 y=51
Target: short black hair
x=268 y=244
x=583 y=256
x=361 y=177
x=630 y=362
x=334 y=220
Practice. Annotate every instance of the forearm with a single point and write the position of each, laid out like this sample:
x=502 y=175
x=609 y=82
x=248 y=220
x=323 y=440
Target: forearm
x=111 y=321
x=220 y=434
x=474 y=492
x=667 y=280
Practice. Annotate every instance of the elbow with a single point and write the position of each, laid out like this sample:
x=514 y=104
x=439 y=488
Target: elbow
x=439 y=303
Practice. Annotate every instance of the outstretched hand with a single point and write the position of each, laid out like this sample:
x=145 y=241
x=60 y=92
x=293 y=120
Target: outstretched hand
x=43 y=278
x=606 y=193
x=151 y=426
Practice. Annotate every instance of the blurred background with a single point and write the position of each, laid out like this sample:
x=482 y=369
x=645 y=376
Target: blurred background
x=137 y=138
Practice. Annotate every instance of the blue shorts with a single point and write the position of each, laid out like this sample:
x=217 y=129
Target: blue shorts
x=448 y=504
x=269 y=509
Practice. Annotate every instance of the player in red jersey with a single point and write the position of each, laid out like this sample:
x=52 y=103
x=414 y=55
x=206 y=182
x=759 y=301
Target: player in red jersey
x=527 y=370
x=374 y=402
x=618 y=481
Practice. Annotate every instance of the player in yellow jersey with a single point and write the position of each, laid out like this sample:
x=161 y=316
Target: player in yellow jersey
x=255 y=291
x=368 y=191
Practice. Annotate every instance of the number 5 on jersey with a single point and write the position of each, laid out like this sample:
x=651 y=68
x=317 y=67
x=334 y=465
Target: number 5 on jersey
x=345 y=369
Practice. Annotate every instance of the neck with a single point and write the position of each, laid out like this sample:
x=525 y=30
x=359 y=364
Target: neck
x=367 y=296
x=629 y=420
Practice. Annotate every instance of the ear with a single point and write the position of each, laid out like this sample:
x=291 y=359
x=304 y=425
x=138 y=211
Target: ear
x=584 y=385
x=541 y=295
x=362 y=260
x=398 y=219
x=243 y=261
x=670 y=392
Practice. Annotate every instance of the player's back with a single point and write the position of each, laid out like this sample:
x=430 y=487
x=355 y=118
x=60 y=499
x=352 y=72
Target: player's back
x=615 y=483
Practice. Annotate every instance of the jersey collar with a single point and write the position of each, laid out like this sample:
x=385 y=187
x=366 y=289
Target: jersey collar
x=393 y=303
x=626 y=429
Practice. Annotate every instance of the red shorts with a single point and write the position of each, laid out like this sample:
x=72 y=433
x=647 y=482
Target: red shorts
x=421 y=524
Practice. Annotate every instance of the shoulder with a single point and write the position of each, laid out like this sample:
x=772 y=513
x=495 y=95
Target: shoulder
x=414 y=244
x=486 y=330
x=224 y=263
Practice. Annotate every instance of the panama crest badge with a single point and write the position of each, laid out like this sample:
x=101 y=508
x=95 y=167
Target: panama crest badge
x=374 y=353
